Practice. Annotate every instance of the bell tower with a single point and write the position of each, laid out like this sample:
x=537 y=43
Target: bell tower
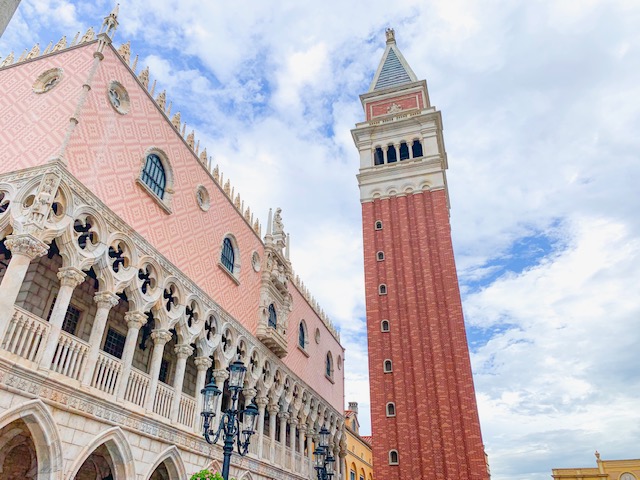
x=423 y=407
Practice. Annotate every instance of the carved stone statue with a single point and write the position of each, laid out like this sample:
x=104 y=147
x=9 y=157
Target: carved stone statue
x=278 y=227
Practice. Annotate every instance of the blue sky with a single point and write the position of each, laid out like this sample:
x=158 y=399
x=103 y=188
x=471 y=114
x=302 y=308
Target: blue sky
x=540 y=108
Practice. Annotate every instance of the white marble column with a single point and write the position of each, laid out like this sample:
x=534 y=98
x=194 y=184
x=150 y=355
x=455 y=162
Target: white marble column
x=284 y=416
x=182 y=351
x=274 y=408
x=262 y=404
x=294 y=424
x=310 y=449
x=70 y=278
x=202 y=365
x=303 y=430
x=105 y=302
x=24 y=248
x=135 y=320
x=160 y=338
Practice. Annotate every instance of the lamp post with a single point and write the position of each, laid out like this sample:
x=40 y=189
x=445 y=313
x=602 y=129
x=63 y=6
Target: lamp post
x=230 y=419
x=324 y=461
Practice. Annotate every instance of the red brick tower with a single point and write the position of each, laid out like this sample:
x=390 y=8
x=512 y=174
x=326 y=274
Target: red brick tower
x=423 y=406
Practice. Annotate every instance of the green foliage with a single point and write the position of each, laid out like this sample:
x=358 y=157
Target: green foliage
x=206 y=475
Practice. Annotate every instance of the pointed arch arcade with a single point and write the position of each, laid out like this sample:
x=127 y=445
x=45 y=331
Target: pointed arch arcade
x=118 y=448
x=172 y=462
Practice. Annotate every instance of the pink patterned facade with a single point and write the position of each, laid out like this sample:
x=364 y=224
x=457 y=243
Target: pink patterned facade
x=61 y=130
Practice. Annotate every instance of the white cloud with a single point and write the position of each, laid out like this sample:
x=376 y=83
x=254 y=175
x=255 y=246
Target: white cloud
x=541 y=121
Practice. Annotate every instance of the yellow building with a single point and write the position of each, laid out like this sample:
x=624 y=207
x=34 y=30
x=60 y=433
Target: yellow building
x=359 y=460
x=604 y=470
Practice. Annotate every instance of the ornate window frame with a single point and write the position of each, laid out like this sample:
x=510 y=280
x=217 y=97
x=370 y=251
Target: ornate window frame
x=165 y=201
x=235 y=274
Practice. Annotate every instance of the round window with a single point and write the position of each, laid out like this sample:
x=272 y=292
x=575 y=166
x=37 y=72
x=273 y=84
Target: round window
x=118 y=98
x=47 y=80
x=202 y=197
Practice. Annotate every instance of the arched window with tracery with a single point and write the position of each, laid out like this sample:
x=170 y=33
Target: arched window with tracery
x=302 y=335
x=329 y=365
x=154 y=175
x=228 y=255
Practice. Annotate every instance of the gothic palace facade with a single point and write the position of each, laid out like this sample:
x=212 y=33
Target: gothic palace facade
x=130 y=274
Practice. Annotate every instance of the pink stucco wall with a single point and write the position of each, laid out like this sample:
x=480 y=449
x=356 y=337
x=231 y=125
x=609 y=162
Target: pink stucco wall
x=106 y=153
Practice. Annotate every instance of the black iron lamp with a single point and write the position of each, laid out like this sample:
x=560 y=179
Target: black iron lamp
x=323 y=460
x=230 y=418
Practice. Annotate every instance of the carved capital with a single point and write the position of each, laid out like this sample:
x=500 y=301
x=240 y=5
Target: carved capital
x=249 y=393
x=294 y=421
x=71 y=276
x=106 y=300
x=302 y=428
x=183 y=350
x=26 y=245
x=160 y=337
x=273 y=408
x=220 y=375
x=284 y=416
x=262 y=402
x=203 y=363
x=135 y=319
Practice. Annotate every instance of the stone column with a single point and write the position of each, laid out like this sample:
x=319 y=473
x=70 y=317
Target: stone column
x=262 y=404
x=343 y=463
x=220 y=376
x=105 y=302
x=303 y=430
x=202 y=365
x=284 y=416
x=310 y=449
x=160 y=338
x=182 y=352
x=70 y=278
x=294 y=423
x=135 y=320
x=24 y=248
x=274 y=408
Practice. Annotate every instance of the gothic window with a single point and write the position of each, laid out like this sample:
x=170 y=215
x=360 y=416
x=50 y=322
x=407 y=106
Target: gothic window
x=114 y=343
x=328 y=370
x=391 y=409
x=380 y=256
x=417 y=149
x=378 y=225
x=384 y=326
x=228 y=255
x=352 y=475
x=391 y=154
x=404 y=151
x=378 y=156
x=393 y=457
x=302 y=335
x=382 y=289
x=273 y=318
x=387 y=366
x=154 y=175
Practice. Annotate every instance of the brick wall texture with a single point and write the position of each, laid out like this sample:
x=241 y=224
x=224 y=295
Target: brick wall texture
x=436 y=429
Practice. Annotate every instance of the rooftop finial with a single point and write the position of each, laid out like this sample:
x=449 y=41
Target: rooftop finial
x=110 y=22
x=391 y=35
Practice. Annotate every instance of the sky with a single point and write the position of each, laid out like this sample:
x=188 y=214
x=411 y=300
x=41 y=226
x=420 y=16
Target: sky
x=540 y=103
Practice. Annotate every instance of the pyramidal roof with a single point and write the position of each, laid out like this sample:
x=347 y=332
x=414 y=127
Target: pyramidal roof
x=393 y=69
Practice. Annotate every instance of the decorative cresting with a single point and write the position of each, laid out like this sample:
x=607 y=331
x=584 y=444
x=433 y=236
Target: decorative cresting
x=275 y=300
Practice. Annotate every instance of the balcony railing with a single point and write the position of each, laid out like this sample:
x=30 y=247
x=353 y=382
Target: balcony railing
x=106 y=374
x=164 y=397
x=187 y=410
x=70 y=356
x=26 y=335
x=137 y=387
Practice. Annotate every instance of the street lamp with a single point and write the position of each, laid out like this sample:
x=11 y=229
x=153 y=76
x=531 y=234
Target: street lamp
x=230 y=420
x=324 y=461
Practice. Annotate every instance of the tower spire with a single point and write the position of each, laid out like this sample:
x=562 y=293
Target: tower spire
x=393 y=69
